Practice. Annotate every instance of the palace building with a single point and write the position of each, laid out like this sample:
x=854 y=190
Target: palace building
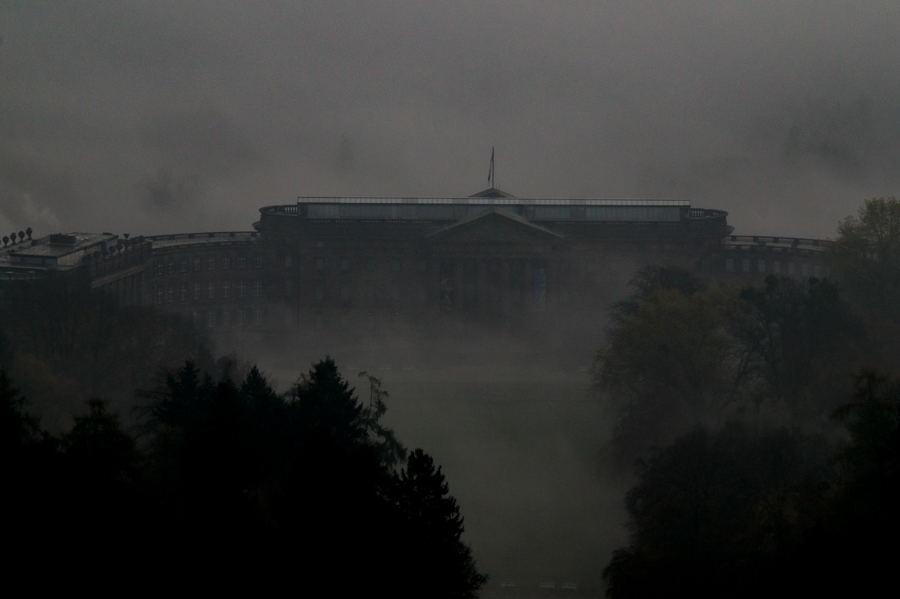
x=365 y=268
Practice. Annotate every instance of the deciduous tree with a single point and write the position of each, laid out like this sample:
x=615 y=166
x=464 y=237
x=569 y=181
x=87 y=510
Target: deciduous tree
x=718 y=514
x=865 y=257
x=668 y=364
x=799 y=343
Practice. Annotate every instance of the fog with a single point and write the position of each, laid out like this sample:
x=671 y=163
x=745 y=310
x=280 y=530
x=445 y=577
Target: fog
x=522 y=460
x=158 y=117
x=165 y=117
x=513 y=423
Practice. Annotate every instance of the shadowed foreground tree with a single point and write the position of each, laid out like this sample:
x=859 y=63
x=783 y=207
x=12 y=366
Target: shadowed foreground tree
x=871 y=461
x=856 y=542
x=304 y=482
x=742 y=514
x=18 y=429
x=431 y=517
x=5 y=349
x=99 y=448
x=100 y=481
x=30 y=471
x=716 y=514
x=237 y=486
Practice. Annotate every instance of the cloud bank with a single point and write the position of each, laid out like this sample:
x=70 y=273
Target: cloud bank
x=151 y=117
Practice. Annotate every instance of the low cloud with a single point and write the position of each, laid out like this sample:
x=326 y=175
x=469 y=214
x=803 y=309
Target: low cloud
x=158 y=117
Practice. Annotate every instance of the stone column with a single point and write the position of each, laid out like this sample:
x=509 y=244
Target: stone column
x=459 y=291
x=482 y=292
x=505 y=290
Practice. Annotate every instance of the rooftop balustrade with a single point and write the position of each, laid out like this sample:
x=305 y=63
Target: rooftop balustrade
x=759 y=241
x=181 y=239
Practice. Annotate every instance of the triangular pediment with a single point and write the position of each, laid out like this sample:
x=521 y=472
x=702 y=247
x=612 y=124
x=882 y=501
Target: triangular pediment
x=492 y=192
x=496 y=227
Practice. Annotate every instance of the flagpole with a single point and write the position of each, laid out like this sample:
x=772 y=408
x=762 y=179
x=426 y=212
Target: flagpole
x=491 y=177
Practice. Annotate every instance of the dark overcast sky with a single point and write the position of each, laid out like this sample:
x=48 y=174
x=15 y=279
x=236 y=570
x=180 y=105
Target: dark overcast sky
x=150 y=117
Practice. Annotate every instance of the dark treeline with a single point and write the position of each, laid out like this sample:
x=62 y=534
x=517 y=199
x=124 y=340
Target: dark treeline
x=65 y=343
x=764 y=422
x=230 y=483
x=781 y=353
x=738 y=512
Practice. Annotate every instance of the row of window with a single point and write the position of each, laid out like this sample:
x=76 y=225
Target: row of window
x=397 y=265
x=224 y=290
x=345 y=293
x=448 y=295
x=197 y=291
x=371 y=264
x=255 y=316
x=761 y=267
x=225 y=318
x=185 y=264
x=247 y=316
x=206 y=291
x=346 y=322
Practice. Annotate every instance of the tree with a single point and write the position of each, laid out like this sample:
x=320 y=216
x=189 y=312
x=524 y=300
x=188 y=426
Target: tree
x=206 y=448
x=438 y=563
x=650 y=279
x=870 y=486
x=296 y=486
x=799 y=342
x=18 y=429
x=865 y=257
x=266 y=460
x=717 y=514
x=392 y=451
x=324 y=401
x=30 y=471
x=101 y=471
x=336 y=478
x=98 y=446
x=303 y=480
x=855 y=539
x=668 y=364
x=5 y=349
x=88 y=337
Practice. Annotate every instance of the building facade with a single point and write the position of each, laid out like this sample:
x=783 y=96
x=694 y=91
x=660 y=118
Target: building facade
x=368 y=269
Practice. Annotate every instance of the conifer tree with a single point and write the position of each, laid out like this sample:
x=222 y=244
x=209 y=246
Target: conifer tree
x=440 y=565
